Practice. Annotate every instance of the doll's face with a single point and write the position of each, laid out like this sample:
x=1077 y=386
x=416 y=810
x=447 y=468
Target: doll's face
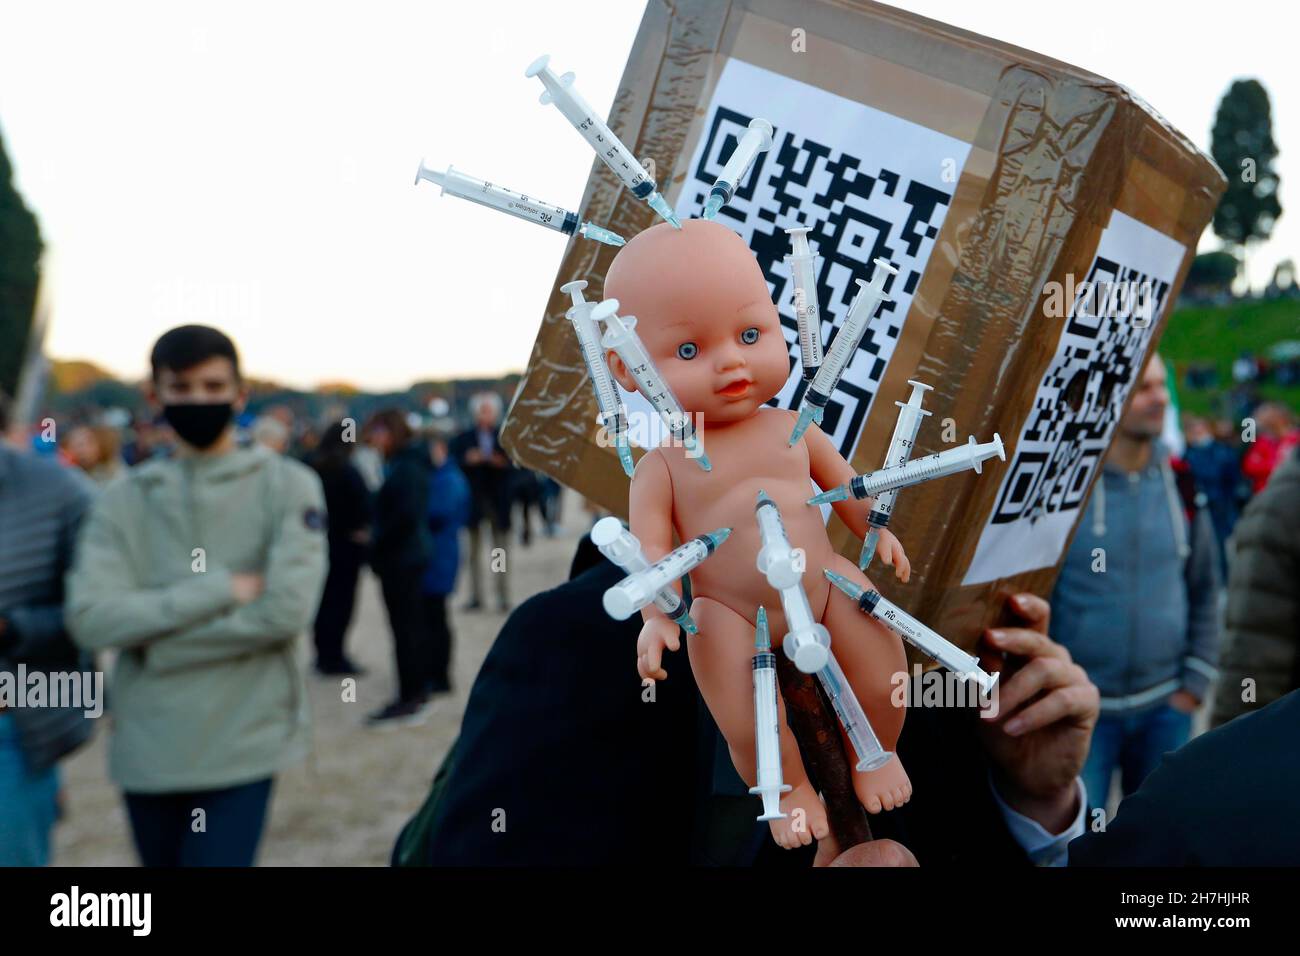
x=705 y=315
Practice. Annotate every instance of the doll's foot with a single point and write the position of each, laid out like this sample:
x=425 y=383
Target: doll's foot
x=805 y=818
x=883 y=789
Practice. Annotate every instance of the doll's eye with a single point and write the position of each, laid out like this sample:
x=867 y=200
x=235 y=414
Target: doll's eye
x=688 y=350
x=750 y=335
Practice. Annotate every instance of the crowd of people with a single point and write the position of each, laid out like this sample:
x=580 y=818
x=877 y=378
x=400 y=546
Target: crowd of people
x=197 y=546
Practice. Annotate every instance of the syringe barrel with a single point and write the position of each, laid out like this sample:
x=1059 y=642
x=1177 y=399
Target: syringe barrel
x=776 y=558
x=508 y=201
x=939 y=465
x=803 y=272
x=668 y=601
x=901 y=444
x=921 y=637
x=602 y=383
x=861 y=311
x=753 y=141
x=619 y=545
x=852 y=717
x=808 y=642
x=767 y=730
x=593 y=129
x=620 y=335
x=637 y=590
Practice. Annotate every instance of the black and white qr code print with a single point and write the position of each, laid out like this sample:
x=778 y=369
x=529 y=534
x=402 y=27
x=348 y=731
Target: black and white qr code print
x=1079 y=400
x=866 y=184
x=1111 y=314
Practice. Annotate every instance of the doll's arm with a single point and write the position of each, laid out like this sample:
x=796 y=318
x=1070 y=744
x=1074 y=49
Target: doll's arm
x=650 y=503
x=829 y=469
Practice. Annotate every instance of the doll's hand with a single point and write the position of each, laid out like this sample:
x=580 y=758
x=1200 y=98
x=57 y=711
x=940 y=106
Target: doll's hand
x=656 y=634
x=891 y=553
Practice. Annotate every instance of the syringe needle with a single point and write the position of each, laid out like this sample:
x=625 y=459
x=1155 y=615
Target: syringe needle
x=589 y=230
x=660 y=205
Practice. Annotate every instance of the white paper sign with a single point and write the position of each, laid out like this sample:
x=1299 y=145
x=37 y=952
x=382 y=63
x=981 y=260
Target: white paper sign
x=1065 y=437
x=868 y=184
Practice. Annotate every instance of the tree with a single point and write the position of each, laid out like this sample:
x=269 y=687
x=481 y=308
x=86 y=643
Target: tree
x=1211 y=273
x=20 y=253
x=1242 y=144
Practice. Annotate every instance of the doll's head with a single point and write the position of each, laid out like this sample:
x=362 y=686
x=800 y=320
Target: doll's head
x=705 y=315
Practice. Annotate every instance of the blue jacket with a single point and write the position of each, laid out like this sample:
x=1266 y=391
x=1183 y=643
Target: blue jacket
x=1147 y=625
x=448 y=512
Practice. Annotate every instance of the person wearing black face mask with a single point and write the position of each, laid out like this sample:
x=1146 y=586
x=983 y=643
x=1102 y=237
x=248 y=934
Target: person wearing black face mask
x=202 y=570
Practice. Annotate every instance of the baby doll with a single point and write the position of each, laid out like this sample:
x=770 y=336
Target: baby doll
x=706 y=317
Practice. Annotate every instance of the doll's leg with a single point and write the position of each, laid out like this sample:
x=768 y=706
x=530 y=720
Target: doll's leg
x=870 y=656
x=721 y=659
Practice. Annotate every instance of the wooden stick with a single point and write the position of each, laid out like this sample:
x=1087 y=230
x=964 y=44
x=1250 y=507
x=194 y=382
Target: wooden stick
x=817 y=731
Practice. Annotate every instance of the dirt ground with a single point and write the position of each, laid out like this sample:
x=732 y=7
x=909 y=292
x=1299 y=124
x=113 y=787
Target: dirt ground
x=346 y=803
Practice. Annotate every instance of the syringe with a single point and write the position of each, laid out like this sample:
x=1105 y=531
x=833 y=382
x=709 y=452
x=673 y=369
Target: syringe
x=757 y=139
x=516 y=204
x=900 y=451
x=560 y=91
x=833 y=366
x=965 y=666
x=767 y=729
x=620 y=335
x=637 y=590
x=621 y=546
x=803 y=270
x=612 y=414
x=871 y=756
x=808 y=642
x=938 y=465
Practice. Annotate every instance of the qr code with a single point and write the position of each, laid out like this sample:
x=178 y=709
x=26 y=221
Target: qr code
x=857 y=208
x=1080 y=397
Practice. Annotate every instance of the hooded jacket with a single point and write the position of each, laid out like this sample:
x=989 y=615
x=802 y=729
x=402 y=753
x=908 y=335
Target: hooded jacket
x=1136 y=601
x=206 y=693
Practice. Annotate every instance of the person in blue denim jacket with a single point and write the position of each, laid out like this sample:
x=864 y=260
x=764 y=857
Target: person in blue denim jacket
x=1136 y=600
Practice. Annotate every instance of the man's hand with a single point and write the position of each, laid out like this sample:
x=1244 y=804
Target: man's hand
x=246 y=588
x=1047 y=708
x=875 y=853
x=656 y=634
x=1184 y=701
x=473 y=456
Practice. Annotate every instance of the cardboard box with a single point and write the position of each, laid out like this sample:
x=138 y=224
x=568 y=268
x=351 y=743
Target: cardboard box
x=995 y=179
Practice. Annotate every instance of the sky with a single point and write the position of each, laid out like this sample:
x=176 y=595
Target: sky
x=250 y=165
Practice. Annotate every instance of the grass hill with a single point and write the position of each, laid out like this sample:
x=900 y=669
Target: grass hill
x=1219 y=334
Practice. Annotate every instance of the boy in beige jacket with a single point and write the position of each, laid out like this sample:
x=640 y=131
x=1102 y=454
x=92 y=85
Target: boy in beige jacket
x=201 y=570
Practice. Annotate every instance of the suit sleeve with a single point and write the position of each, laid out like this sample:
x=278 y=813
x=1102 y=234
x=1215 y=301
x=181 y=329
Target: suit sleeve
x=294 y=577
x=107 y=607
x=1149 y=829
